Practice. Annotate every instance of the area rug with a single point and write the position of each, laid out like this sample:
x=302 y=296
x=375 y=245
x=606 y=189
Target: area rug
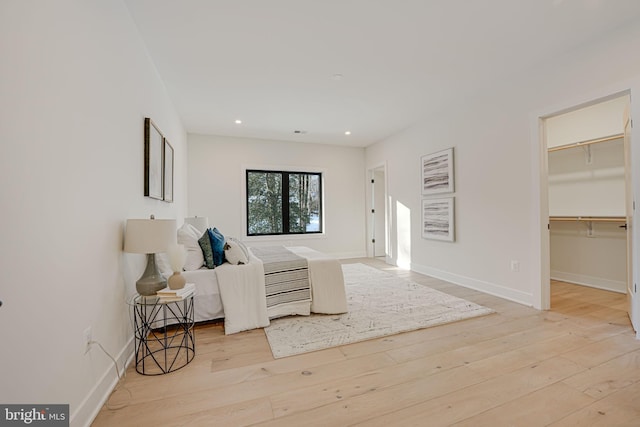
x=379 y=304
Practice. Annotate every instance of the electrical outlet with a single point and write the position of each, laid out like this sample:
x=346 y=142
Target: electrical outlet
x=88 y=337
x=515 y=266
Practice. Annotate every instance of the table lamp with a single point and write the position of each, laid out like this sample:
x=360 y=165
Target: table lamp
x=150 y=236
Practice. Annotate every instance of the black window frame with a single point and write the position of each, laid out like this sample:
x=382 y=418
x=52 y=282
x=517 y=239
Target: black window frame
x=285 y=202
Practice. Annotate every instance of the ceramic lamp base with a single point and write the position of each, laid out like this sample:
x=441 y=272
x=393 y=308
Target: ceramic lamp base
x=152 y=280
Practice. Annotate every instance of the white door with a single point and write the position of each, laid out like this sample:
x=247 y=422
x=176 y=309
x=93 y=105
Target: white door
x=379 y=213
x=631 y=288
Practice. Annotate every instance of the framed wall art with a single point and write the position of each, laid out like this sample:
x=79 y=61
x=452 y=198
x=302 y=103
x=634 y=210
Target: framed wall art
x=168 y=172
x=437 y=172
x=153 y=160
x=158 y=163
x=438 y=219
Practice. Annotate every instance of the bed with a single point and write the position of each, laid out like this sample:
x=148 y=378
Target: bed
x=238 y=293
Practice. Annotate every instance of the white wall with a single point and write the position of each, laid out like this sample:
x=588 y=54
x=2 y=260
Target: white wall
x=580 y=188
x=217 y=186
x=76 y=84
x=497 y=162
x=599 y=261
x=491 y=209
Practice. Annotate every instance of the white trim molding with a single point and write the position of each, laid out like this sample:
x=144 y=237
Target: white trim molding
x=96 y=398
x=479 y=285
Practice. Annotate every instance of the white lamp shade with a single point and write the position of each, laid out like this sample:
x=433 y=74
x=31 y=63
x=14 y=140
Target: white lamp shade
x=149 y=236
x=199 y=222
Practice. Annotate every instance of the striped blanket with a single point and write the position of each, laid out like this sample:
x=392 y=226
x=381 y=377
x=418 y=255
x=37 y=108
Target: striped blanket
x=286 y=275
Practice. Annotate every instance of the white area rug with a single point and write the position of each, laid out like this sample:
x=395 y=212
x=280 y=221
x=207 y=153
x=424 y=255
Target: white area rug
x=379 y=303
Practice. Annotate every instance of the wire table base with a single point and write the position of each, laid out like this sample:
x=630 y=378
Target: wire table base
x=164 y=335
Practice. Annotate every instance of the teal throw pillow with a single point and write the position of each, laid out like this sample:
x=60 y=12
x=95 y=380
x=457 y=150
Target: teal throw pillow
x=217 y=245
x=207 y=250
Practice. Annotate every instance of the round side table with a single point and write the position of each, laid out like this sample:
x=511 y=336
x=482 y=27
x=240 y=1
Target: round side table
x=164 y=335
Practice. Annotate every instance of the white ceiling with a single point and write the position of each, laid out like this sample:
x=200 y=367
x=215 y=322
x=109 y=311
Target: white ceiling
x=272 y=63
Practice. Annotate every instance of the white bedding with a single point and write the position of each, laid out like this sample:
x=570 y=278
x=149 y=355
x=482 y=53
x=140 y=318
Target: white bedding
x=328 y=294
x=237 y=292
x=243 y=296
x=207 y=303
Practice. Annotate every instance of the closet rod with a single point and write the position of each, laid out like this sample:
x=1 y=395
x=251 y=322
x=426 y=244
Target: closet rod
x=589 y=218
x=587 y=142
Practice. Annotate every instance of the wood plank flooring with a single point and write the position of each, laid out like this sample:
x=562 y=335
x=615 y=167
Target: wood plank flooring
x=576 y=365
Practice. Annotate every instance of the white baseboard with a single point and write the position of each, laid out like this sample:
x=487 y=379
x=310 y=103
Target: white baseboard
x=479 y=285
x=88 y=409
x=594 y=282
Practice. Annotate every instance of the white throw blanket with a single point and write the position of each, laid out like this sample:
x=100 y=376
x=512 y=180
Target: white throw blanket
x=328 y=294
x=243 y=295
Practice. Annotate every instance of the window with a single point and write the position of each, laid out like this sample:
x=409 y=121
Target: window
x=281 y=202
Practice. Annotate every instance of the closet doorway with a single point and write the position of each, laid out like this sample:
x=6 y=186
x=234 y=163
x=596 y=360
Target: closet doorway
x=589 y=200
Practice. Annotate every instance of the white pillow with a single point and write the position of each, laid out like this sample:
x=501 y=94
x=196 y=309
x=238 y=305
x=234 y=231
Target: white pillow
x=242 y=245
x=234 y=254
x=188 y=236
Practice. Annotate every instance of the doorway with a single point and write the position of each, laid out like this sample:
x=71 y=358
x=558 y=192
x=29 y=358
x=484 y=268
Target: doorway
x=378 y=229
x=588 y=194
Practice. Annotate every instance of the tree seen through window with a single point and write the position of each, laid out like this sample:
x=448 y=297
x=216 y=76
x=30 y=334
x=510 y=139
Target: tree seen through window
x=280 y=202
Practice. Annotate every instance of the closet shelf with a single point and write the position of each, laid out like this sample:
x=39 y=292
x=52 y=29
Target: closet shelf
x=588 y=142
x=589 y=218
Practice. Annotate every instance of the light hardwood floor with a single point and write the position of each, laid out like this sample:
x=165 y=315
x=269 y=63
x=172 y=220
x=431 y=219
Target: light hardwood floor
x=576 y=365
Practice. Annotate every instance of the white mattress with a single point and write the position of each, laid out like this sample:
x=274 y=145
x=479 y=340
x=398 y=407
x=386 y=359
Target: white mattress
x=207 y=303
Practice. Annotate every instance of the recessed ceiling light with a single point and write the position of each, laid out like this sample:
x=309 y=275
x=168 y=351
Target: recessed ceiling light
x=348 y=132
x=301 y=132
x=238 y=122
